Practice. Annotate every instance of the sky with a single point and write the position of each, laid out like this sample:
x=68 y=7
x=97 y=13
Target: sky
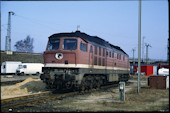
x=114 y=21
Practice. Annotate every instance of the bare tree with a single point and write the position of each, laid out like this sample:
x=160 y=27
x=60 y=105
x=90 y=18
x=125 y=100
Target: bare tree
x=25 y=45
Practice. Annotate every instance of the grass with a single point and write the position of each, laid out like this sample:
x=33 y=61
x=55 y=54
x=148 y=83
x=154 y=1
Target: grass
x=146 y=100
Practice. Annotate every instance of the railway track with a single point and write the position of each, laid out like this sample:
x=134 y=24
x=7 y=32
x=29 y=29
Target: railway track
x=4 y=83
x=16 y=102
x=12 y=103
x=13 y=79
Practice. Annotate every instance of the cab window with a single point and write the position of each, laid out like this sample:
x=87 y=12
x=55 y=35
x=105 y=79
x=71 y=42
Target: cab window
x=70 y=44
x=83 y=47
x=53 y=44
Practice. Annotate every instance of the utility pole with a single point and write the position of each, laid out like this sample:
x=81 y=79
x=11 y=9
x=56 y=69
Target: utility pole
x=8 y=37
x=133 y=59
x=147 y=59
x=139 y=47
x=143 y=50
x=133 y=56
x=168 y=52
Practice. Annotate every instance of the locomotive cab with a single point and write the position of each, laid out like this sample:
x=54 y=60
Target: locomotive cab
x=61 y=50
x=62 y=61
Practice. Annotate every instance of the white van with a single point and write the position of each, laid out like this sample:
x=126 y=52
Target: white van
x=30 y=68
x=9 y=67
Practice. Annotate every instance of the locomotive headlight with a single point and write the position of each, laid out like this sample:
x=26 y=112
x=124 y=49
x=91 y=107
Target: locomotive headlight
x=59 y=56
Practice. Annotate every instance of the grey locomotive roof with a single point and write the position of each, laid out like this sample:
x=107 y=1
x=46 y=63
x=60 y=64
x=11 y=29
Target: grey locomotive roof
x=88 y=38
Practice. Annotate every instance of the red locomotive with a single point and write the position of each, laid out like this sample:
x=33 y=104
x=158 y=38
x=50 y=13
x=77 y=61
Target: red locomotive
x=80 y=61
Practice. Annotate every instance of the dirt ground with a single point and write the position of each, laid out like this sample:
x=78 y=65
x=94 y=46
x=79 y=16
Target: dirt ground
x=28 y=86
x=146 y=100
x=99 y=101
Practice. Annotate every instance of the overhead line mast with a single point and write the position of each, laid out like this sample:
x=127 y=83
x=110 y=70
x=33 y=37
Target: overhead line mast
x=8 y=37
x=147 y=58
x=133 y=56
x=143 y=50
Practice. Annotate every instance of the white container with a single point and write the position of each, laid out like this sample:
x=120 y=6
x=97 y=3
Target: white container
x=9 y=67
x=30 y=68
x=163 y=71
x=167 y=82
x=155 y=70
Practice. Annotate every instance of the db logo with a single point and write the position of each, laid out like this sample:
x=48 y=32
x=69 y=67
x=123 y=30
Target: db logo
x=59 y=56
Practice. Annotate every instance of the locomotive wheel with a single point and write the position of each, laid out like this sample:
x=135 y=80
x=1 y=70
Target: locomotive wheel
x=98 y=84
x=22 y=74
x=104 y=81
x=83 y=84
x=90 y=83
x=37 y=73
x=49 y=86
x=100 y=81
x=68 y=85
x=94 y=83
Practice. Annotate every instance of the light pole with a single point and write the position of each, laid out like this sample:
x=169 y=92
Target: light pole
x=133 y=56
x=143 y=50
x=139 y=47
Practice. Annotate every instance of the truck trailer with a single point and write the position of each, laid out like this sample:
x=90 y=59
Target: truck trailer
x=9 y=67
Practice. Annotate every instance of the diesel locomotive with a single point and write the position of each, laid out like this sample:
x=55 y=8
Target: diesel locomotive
x=77 y=60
